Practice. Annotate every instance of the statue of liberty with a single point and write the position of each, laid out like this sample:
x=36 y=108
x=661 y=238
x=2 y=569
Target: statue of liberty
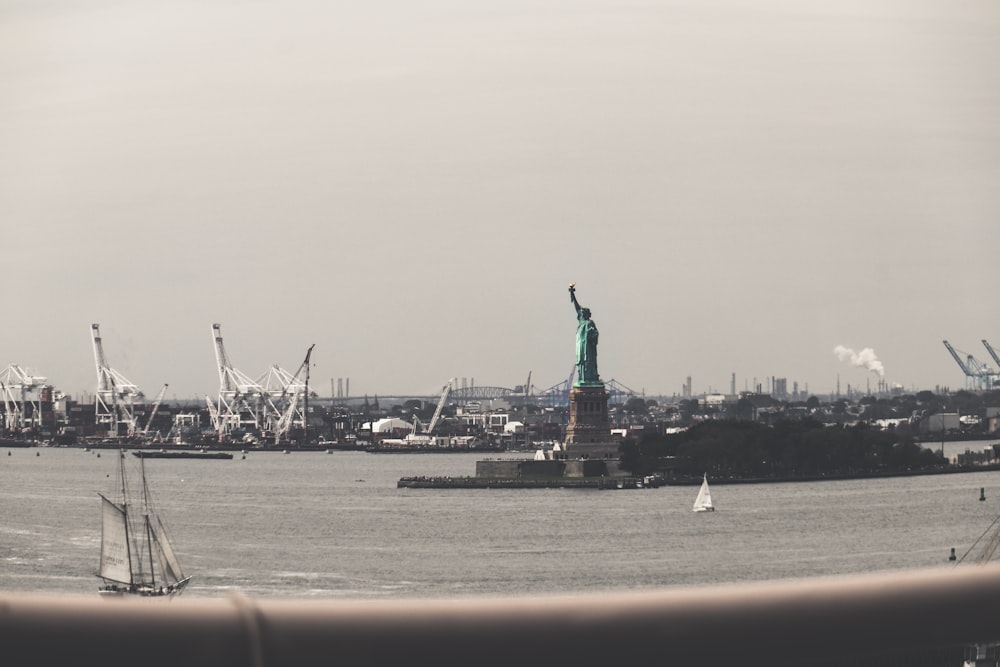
x=586 y=344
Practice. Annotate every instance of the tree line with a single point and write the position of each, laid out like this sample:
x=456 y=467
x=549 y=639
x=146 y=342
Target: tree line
x=746 y=449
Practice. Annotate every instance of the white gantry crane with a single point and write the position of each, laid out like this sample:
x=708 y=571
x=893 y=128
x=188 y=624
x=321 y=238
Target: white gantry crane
x=280 y=387
x=292 y=412
x=156 y=407
x=440 y=406
x=22 y=396
x=243 y=402
x=116 y=395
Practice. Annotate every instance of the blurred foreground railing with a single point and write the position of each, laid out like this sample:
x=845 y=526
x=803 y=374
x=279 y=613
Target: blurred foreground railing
x=869 y=619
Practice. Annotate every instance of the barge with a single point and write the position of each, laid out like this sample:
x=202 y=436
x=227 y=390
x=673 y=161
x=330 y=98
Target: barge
x=527 y=483
x=182 y=454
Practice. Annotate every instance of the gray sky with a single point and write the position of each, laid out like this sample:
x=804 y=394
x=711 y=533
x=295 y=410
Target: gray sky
x=735 y=187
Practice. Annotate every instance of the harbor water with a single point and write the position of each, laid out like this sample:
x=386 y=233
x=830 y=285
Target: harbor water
x=334 y=525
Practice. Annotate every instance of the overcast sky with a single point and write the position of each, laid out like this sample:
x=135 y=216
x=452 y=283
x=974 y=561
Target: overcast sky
x=734 y=186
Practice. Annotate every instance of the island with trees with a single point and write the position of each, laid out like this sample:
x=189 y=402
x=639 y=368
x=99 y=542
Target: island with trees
x=740 y=452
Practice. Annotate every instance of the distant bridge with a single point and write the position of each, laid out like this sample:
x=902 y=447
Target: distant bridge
x=558 y=395
x=482 y=393
x=553 y=396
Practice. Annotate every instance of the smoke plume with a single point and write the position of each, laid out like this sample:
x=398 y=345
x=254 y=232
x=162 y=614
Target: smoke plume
x=865 y=358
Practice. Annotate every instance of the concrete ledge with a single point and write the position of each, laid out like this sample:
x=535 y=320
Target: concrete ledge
x=845 y=619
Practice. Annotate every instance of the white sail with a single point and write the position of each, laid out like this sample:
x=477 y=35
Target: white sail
x=703 y=503
x=115 y=564
x=170 y=568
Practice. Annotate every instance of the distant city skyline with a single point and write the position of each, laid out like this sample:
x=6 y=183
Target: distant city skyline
x=411 y=187
x=859 y=380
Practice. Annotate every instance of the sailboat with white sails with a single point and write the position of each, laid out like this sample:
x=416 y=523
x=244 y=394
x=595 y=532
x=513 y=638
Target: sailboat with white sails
x=136 y=555
x=703 y=503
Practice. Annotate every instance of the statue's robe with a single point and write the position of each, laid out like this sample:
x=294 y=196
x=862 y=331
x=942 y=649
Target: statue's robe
x=586 y=350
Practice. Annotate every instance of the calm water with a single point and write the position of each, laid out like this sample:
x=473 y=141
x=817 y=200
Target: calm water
x=335 y=526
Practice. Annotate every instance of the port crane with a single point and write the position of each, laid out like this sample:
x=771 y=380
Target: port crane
x=277 y=384
x=156 y=407
x=976 y=371
x=13 y=416
x=242 y=400
x=427 y=437
x=116 y=395
x=291 y=391
x=213 y=413
x=527 y=387
x=558 y=394
x=21 y=389
x=993 y=353
x=440 y=406
x=429 y=428
x=305 y=395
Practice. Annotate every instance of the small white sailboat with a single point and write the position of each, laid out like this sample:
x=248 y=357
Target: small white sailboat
x=703 y=503
x=136 y=555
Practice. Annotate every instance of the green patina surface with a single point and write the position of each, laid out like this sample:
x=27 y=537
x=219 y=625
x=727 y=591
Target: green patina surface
x=586 y=346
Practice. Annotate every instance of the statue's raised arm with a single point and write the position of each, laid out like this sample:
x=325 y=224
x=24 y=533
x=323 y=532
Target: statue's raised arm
x=572 y=297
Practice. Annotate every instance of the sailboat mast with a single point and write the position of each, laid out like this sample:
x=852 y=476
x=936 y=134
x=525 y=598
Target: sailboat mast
x=149 y=546
x=128 y=540
x=145 y=512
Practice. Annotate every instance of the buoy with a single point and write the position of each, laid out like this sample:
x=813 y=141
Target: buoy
x=952 y=556
x=982 y=493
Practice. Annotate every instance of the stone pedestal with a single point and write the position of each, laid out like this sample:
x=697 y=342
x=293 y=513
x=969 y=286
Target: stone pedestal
x=589 y=432
x=588 y=415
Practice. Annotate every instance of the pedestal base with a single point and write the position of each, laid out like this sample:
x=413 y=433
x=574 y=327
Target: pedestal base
x=588 y=416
